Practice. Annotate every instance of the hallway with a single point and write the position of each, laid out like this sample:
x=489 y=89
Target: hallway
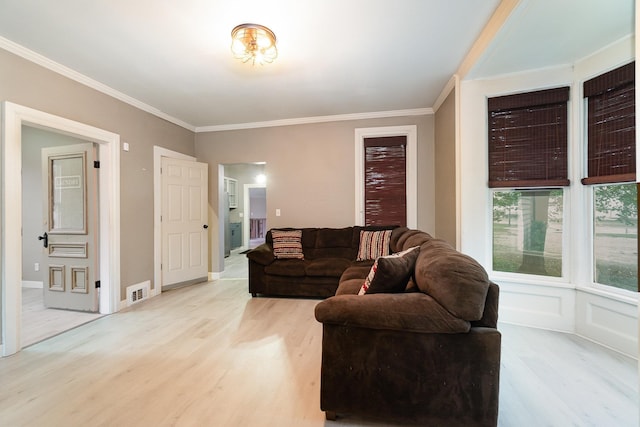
x=236 y=265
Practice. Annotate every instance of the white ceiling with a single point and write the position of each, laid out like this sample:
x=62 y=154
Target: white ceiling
x=336 y=57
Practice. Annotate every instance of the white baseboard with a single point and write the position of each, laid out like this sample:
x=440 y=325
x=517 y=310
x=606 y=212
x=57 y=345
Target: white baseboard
x=214 y=275
x=32 y=284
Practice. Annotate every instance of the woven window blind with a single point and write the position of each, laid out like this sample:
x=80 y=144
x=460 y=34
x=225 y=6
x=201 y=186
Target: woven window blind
x=528 y=139
x=611 y=130
x=385 y=180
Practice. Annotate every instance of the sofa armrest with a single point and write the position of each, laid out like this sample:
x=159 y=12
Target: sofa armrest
x=413 y=312
x=262 y=254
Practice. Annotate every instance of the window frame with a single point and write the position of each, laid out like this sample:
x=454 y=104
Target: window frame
x=552 y=96
x=589 y=183
x=565 y=278
x=590 y=242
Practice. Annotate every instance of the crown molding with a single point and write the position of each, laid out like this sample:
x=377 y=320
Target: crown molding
x=488 y=33
x=317 y=119
x=45 y=62
x=451 y=84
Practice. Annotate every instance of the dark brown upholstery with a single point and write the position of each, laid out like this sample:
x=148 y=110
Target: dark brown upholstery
x=328 y=252
x=431 y=379
x=407 y=357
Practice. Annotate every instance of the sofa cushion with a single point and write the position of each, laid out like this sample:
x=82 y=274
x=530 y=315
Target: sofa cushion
x=262 y=254
x=416 y=240
x=327 y=267
x=334 y=237
x=357 y=271
x=390 y=273
x=455 y=280
x=402 y=238
x=412 y=286
x=373 y=244
x=349 y=286
x=395 y=235
x=286 y=267
x=287 y=244
x=408 y=312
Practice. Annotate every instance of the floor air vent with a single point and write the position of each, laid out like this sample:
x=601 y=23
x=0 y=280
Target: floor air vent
x=137 y=293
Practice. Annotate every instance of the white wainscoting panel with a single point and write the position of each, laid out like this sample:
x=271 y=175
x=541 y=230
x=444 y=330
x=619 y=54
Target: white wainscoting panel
x=538 y=306
x=611 y=322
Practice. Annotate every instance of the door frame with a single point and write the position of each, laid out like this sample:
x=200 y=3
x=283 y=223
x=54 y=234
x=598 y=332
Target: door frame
x=158 y=154
x=14 y=116
x=247 y=213
x=411 y=132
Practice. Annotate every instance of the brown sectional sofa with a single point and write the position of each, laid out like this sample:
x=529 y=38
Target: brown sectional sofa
x=328 y=252
x=429 y=355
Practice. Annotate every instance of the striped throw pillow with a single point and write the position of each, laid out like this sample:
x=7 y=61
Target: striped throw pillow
x=287 y=244
x=373 y=244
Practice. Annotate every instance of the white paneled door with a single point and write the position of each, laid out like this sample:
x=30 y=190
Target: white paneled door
x=184 y=222
x=69 y=239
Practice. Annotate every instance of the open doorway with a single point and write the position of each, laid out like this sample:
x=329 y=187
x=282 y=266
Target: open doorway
x=255 y=224
x=243 y=201
x=46 y=310
x=108 y=147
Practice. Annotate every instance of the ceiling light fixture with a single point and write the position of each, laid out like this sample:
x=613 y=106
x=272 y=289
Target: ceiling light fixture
x=255 y=43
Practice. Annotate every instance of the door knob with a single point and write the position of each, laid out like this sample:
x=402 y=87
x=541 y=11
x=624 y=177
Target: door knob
x=45 y=239
x=205 y=226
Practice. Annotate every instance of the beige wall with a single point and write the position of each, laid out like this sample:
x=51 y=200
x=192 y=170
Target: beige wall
x=28 y=84
x=310 y=171
x=445 y=170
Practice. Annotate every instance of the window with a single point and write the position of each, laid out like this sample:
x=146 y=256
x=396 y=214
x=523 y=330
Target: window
x=527 y=167
x=615 y=235
x=385 y=180
x=611 y=170
x=527 y=231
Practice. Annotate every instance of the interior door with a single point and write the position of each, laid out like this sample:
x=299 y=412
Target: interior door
x=184 y=222
x=70 y=191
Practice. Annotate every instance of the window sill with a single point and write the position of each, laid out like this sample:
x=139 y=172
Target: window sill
x=541 y=281
x=627 y=299
x=531 y=280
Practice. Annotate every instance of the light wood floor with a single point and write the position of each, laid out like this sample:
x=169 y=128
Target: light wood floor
x=210 y=355
x=39 y=322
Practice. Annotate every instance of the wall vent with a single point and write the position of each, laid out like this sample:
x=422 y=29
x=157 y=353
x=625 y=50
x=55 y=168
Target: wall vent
x=138 y=292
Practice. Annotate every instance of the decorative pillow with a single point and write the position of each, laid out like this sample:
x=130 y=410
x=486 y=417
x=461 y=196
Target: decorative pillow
x=390 y=273
x=287 y=244
x=373 y=244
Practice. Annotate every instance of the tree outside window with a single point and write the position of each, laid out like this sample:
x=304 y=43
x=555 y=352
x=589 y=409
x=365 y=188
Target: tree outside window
x=527 y=231
x=615 y=231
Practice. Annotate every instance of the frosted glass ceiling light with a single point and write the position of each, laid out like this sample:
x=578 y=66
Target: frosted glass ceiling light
x=255 y=43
